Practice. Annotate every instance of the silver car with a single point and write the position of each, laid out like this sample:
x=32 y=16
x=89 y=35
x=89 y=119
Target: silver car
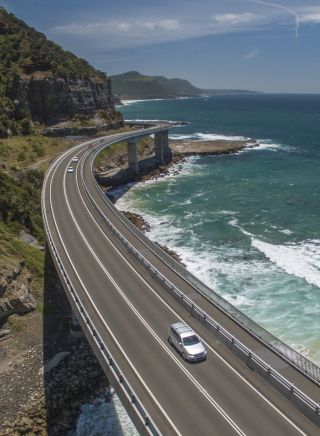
x=186 y=341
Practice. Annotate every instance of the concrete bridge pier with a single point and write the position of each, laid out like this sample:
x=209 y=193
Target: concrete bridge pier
x=75 y=327
x=161 y=145
x=132 y=156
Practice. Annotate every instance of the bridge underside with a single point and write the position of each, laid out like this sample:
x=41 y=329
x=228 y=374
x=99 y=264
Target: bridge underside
x=162 y=151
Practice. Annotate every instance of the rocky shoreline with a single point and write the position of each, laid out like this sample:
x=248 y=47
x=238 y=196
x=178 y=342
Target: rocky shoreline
x=220 y=146
x=69 y=379
x=48 y=369
x=144 y=226
x=180 y=150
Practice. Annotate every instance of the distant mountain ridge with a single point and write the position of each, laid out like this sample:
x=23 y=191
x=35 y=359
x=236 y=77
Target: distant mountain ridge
x=134 y=85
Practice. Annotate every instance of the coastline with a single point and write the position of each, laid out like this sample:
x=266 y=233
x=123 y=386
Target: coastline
x=118 y=182
x=180 y=150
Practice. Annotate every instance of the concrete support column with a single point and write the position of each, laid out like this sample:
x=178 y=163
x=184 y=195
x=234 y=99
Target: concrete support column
x=158 y=147
x=167 y=154
x=132 y=156
x=75 y=327
x=161 y=145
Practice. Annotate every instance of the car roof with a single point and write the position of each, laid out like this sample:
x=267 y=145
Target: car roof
x=182 y=329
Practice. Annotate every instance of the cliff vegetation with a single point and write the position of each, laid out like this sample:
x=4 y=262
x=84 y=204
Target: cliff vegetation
x=39 y=81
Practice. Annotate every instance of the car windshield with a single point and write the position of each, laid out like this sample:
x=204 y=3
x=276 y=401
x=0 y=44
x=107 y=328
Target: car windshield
x=190 y=340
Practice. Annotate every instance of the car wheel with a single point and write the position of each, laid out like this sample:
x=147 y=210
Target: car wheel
x=170 y=340
x=184 y=357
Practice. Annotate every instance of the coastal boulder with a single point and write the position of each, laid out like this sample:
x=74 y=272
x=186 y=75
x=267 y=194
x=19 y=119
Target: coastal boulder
x=15 y=295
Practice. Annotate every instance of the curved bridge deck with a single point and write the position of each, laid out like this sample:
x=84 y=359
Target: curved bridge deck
x=130 y=311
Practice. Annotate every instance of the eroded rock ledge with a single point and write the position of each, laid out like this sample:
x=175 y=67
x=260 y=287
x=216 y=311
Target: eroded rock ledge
x=15 y=292
x=221 y=146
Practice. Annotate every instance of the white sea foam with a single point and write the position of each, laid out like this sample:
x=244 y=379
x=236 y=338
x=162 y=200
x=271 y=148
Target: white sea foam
x=286 y=231
x=141 y=120
x=130 y=102
x=267 y=146
x=104 y=417
x=201 y=260
x=227 y=212
x=198 y=136
x=213 y=136
x=238 y=300
x=178 y=136
x=300 y=259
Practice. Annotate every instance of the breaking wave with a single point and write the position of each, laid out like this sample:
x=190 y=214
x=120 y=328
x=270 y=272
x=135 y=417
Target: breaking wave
x=198 y=136
x=299 y=259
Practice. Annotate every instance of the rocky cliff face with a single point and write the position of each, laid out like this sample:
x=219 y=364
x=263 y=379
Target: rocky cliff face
x=40 y=81
x=15 y=296
x=50 y=99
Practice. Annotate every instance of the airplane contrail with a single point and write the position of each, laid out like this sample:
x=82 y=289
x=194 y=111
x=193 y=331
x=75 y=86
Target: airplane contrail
x=285 y=8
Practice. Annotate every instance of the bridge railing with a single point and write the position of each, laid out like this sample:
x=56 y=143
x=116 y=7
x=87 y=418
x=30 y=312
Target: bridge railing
x=302 y=401
x=294 y=358
x=131 y=397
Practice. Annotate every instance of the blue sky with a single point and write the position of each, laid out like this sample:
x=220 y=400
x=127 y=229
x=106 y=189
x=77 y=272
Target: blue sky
x=270 y=46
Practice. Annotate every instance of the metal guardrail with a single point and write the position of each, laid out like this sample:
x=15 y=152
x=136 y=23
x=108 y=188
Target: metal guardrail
x=146 y=420
x=303 y=402
x=283 y=350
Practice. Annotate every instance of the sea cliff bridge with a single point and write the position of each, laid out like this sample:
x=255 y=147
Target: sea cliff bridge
x=126 y=292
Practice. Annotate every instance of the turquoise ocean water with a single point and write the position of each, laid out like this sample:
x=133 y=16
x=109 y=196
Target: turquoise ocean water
x=248 y=225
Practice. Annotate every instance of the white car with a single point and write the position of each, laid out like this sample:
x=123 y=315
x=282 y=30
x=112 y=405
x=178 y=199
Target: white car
x=70 y=170
x=187 y=342
x=75 y=159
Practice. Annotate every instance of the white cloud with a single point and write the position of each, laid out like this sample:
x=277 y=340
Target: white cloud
x=244 y=18
x=251 y=54
x=132 y=33
x=169 y=24
x=149 y=25
x=110 y=27
x=153 y=29
x=122 y=26
x=310 y=15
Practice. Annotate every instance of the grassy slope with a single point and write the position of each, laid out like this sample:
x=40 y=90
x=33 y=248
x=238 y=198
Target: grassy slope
x=23 y=161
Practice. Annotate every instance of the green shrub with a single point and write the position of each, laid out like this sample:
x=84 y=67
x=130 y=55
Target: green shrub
x=20 y=202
